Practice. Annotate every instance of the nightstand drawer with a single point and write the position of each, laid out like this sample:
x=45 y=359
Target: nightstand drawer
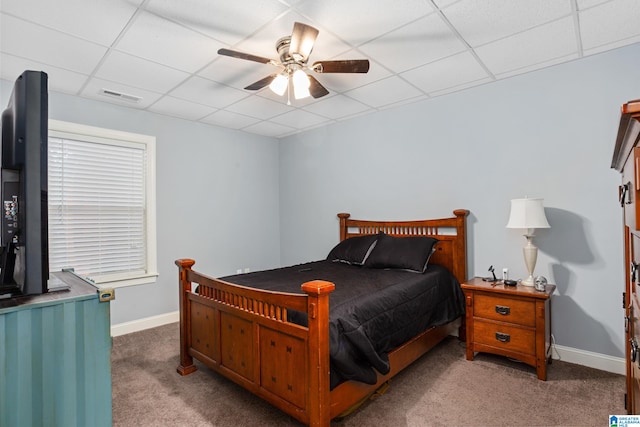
x=505 y=309
x=504 y=336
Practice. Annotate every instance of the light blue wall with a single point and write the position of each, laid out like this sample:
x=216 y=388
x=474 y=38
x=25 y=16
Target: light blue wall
x=548 y=133
x=217 y=197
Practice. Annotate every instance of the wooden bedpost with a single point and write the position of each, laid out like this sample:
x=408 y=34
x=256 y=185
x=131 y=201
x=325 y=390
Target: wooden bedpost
x=343 y=225
x=460 y=266
x=319 y=403
x=186 y=361
x=460 y=263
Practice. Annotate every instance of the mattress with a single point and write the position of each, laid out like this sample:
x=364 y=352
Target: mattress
x=372 y=311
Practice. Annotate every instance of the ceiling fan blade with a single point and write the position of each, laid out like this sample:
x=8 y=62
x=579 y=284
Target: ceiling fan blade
x=302 y=39
x=242 y=55
x=346 y=66
x=261 y=83
x=316 y=89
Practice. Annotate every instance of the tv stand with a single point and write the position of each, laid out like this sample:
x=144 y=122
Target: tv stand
x=57 y=357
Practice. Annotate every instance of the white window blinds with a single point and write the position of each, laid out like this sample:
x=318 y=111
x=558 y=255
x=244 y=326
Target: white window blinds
x=99 y=209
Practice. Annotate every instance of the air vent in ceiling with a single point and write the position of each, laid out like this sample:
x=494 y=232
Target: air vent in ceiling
x=120 y=95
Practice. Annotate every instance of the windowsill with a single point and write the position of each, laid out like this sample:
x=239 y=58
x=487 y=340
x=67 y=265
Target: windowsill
x=123 y=283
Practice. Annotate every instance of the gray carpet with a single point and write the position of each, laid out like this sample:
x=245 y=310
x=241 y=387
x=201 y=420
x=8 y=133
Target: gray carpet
x=440 y=389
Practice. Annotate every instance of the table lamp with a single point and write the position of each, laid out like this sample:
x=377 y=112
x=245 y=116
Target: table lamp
x=528 y=214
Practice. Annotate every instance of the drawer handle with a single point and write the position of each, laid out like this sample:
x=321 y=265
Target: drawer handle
x=503 y=337
x=504 y=310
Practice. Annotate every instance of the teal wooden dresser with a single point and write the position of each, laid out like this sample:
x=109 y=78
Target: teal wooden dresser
x=55 y=358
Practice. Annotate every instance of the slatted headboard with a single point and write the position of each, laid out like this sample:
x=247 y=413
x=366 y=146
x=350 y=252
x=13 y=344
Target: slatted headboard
x=451 y=252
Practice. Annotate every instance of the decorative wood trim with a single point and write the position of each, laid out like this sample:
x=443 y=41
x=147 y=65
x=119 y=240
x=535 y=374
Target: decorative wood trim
x=628 y=133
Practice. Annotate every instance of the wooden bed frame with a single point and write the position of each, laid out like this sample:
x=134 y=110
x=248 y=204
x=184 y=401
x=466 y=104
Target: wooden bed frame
x=242 y=333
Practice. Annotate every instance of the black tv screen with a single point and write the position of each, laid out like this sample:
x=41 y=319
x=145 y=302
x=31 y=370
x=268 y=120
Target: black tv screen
x=24 y=268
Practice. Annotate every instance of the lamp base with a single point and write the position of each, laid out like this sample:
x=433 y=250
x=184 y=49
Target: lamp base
x=530 y=256
x=529 y=281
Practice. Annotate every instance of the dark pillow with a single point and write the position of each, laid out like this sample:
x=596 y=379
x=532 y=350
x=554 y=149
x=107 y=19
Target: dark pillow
x=353 y=250
x=409 y=253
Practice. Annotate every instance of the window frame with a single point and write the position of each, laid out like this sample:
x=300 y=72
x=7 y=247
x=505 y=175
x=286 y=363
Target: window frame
x=68 y=130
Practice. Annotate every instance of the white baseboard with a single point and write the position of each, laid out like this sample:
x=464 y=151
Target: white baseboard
x=146 y=323
x=600 y=361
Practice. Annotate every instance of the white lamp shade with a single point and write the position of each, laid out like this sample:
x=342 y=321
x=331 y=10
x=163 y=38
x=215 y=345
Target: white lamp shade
x=301 y=84
x=279 y=84
x=527 y=213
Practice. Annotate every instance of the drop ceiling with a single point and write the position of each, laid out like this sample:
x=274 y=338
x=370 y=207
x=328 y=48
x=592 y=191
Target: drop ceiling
x=164 y=51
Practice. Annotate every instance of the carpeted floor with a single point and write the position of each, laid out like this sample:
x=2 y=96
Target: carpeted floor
x=440 y=389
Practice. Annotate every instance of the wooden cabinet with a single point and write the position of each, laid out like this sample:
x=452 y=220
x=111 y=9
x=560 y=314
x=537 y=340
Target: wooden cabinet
x=55 y=358
x=513 y=321
x=626 y=160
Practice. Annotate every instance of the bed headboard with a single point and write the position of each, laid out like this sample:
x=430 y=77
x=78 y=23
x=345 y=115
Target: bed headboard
x=451 y=252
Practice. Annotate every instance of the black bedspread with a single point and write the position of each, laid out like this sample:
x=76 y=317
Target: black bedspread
x=372 y=311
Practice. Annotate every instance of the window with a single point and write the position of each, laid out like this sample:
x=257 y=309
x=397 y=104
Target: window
x=102 y=204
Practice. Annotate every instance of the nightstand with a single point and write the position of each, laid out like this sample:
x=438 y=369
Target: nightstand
x=513 y=321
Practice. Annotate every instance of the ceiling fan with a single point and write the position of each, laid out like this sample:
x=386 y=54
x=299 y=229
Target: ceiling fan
x=294 y=51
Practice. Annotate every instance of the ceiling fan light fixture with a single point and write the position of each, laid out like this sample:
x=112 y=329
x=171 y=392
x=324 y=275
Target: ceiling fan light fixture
x=294 y=51
x=301 y=85
x=279 y=84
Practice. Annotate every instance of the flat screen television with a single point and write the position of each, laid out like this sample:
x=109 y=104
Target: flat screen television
x=24 y=261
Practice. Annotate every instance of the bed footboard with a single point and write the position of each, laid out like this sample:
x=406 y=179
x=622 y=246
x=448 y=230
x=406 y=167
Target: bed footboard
x=243 y=334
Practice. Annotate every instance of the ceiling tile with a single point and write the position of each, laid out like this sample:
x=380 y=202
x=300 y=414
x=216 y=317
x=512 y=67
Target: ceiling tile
x=95 y=86
x=336 y=107
x=438 y=75
x=299 y=119
x=59 y=80
x=180 y=108
x=258 y=107
x=358 y=21
x=460 y=87
x=415 y=44
x=585 y=4
x=269 y=129
x=444 y=3
x=227 y=21
x=404 y=102
x=538 y=65
x=48 y=46
x=136 y=72
x=538 y=45
x=235 y=72
x=483 y=21
x=610 y=23
x=383 y=92
x=229 y=119
x=99 y=21
x=203 y=91
x=165 y=42
x=166 y=51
